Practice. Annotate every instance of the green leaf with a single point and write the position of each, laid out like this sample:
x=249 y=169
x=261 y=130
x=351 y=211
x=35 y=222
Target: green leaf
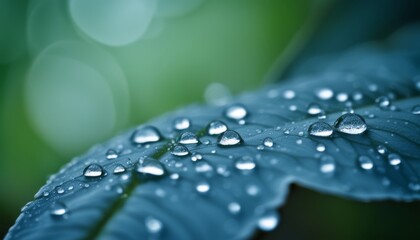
x=146 y=184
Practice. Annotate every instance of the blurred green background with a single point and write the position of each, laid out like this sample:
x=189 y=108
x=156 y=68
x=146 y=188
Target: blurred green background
x=76 y=72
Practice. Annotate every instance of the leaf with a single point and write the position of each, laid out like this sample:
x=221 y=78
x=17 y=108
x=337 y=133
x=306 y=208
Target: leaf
x=144 y=184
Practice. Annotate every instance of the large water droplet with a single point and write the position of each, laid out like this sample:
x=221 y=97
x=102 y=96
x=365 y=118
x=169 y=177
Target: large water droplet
x=229 y=138
x=320 y=129
x=58 y=209
x=236 y=112
x=268 y=142
x=324 y=93
x=180 y=150
x=181 y=123
x=327 y=164
x=150 y=167
x=146 y=134
x=111 y=154
x=93 y=170
x=188 y=138
x=202 y=187
x=216 y=127
x=153 y=225
x=394 y=159
x=365 y=162
x=245 y=163
x=268 y=221
x=314 y=109
x=350 y=123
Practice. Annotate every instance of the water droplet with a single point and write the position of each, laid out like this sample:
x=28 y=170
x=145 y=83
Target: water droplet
x=111 y=154
x=365 y=162
x=357 y=96
x=383 y=102
x=327 y=164
x=320 y=147
x=289 y=94
x=381 y=149
x=93 y=170
x=202 y=187
x=60 y=190
x=292 y=108
x=181 y=123
x=415 y=109
x=229 y=138
x=203 y=167
x=350 y=123
x=268 y=221
x=180 y=150
x=324 y=93
x=342 y=97
x=268 y=142
x=314 y=109
x=196 y=157
x=153 y=225
x=150 y=167
x=234 y=207
x=252 y=190
x=58 y=209
x=245 y=163
x=188 y=138
x=236 y=112
x=119 y=169
x=394 y=159
x=216 y=127
x=320 y=129
x=146 y=134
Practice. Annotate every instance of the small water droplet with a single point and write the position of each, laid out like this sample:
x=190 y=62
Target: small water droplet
x=146 y=134
x=252 y=190
x=327 y=164
x=268 y=221
x=150 y=167
x=236 y=112
x=320 y=129
x=268 y=142
x=292 y=108
x=245 y=163
x=58 y=209
x=188 y=138
x=394 y=159
x=153 y=225
x=289 y=94
x=320 y=147
x=203 y=167
x=350 y=123
x=415 y=109
x=111 y=154
x=93 y=170
x=324 y=93
x=60 y=190
x=381 y=149
x=202 y=187
x=180 y=150
x=314 y=109
x=181 y=123
x=383 y=102
x=357 y=96
x=365 y=162
x=119 y=169
x=216 y=127
x=342 y=97
x=234 y=207
x=229 y=138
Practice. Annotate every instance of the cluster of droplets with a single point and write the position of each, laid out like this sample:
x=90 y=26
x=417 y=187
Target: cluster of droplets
x=348 y=123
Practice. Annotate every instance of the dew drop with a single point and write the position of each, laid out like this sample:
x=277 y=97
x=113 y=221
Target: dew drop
x=188 y=138
x=58 y=209
x=268 y=221
x=245 y=163
x=153 y=225
x=324 y=93
x=320 y=129
x=268 y=142
x=365 y=162
x=320 y=147
x=60 y=190
x=327 y=164
x=394 y=159
x=181 y=123
x=196 y=157
x=202 y=187
x=415 y=109
x=342 y=97
x=350 y=123
x=289 y=94
x=180 y=150
x=216 y=127
x=93 y=170
x=229 y=138
x=236 y=112
x=381 y=149
x=314 y=109
x=146 y=134
x=234 y=207
x=150 y=167
x=111 y=154
x=383 y=102
x=119 y=169
x=252 y=190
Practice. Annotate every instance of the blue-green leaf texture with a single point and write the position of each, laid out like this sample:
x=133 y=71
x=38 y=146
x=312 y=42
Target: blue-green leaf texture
x=118 y=206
